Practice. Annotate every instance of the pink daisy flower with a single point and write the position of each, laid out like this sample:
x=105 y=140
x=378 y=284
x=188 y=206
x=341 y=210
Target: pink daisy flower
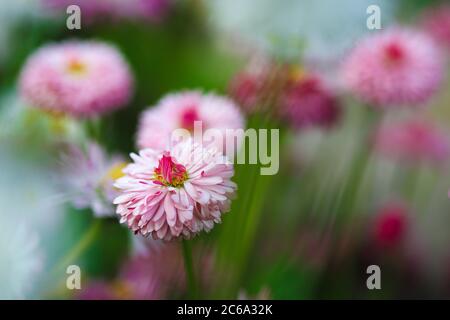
x=308 y=102
x=182 y=110
x=436 y=22
x=87 y=176
x=82 y=79
x=174 y=193
x=394 y=67
x=413 y=140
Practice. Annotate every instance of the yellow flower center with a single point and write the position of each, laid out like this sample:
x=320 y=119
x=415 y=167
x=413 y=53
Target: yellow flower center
x=116 y=171
x=76 y=67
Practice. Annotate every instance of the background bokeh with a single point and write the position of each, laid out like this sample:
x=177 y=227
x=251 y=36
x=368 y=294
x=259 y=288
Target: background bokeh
x=336 y=206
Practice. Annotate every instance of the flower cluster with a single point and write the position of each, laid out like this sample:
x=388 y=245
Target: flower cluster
x=301 y=98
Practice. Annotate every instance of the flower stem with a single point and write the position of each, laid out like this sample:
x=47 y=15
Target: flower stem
x=80 y=247
x=93 y=129
x=71 y=256
x=189 y=268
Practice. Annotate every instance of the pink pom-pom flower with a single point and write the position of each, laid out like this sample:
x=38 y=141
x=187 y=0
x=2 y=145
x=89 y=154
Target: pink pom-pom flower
x=390 y=226
x=182 y=111
x=397 y=67
x=413 y=140
x=177 y=192
x=79 y=78
x=308 y=102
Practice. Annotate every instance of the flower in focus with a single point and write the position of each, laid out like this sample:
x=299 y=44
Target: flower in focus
x=413 y=140
x=82 y=79
x=144 y=277
x=20 y=260
x=182 y=111
x=308 y=102
x=390 y=226
x=436 y=22
x=147 y=10
x=180 y=192
x=87 y=178
x=394 y=67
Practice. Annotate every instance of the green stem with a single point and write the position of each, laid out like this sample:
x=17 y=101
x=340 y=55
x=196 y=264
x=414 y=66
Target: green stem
x=80 y=247
x=347 y=201
x=93 y=129
x=189 y=268
x=71 y=256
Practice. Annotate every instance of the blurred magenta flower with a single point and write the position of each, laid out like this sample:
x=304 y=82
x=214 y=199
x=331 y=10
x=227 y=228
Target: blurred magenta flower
x=307 y=101
x=394 y=67
x=87 y=177
x=147 y=10
x=253 y=86
x=182 y=110
x=246 y=88
x=436 y=22
x=98 y=290
x=390 y=226
x=413 y=140
x=79 y=78
x=178 y=192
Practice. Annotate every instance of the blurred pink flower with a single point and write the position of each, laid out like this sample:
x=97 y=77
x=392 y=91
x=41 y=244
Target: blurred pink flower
x=175 y=193
x=149 y=276
x=97 y=290
x=246 y=88
x=413 y=140
x=148 y=10
x=436 y=22
x=394 y=67
x=308 y=102
x=79 y=78
x=153 y=275
x=86 y=178
x=182 y=110
x=390 y=226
